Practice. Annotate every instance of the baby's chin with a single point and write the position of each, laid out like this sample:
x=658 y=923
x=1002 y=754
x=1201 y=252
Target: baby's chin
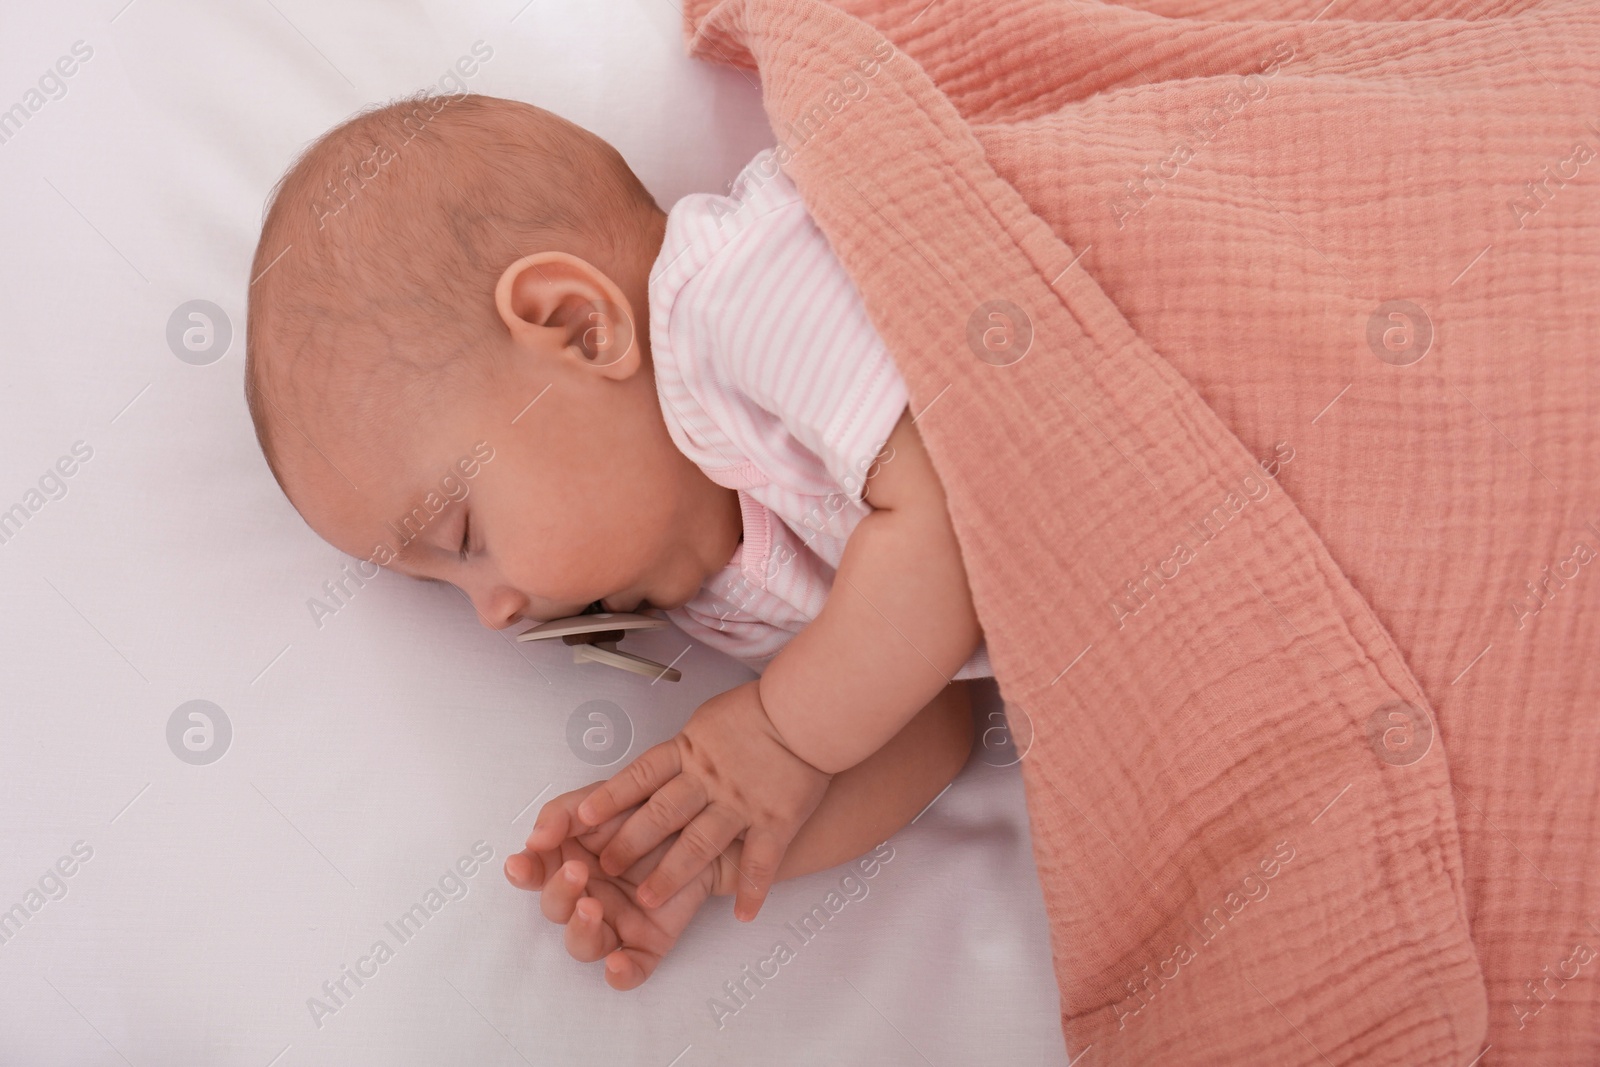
x=673 y=597
x=666 y=592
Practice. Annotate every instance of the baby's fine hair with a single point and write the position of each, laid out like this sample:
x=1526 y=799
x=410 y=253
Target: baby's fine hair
x=372 y=286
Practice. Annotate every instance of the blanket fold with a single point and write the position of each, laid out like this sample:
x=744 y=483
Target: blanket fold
x=1257 y=358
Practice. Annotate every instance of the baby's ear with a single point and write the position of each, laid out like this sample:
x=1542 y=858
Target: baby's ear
x=553 y=300
x=533 y=290
x=598 y=330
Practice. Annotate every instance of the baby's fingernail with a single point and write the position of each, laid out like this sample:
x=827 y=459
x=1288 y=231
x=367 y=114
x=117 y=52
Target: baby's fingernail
x=614 y=965
x=571 y=875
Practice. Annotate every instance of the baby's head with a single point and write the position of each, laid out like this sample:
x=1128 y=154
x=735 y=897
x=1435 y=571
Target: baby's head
x=448 y=366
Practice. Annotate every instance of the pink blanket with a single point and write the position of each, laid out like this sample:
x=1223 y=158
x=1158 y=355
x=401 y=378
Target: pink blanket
x=1256 y=347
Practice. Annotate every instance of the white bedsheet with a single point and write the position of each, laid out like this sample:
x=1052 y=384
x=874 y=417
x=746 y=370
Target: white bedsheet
x=207 y=903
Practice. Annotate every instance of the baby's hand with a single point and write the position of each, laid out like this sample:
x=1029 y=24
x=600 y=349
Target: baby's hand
x=601 y=912
x=727 y=774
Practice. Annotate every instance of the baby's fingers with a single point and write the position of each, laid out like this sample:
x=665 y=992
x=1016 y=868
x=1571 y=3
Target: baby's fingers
x=588 y=937
x=663 y=815
x=586 y=934
x=696 y=849
x=525 y=870
x=562 y=890
x=628 y=968
x=657 y=766
x=758 y=868
x=559 y=819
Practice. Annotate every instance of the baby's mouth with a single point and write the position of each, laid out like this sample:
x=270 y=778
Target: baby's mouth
x=600 y=606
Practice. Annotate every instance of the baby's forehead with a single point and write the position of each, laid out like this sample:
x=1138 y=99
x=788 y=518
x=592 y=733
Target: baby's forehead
x=349 y=441
x=372 y=505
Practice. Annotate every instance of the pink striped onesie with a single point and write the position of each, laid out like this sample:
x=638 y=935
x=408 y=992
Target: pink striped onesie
x=774 y=382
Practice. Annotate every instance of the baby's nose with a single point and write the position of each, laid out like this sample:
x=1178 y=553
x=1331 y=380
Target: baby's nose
x=501 y=608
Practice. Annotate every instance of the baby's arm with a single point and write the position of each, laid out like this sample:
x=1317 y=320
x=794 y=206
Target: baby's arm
x=897 y=624
x=755 y=762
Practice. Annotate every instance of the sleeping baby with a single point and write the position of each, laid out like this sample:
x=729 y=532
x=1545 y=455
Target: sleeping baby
x=691 y=414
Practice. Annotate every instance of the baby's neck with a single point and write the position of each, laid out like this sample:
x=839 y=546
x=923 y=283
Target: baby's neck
x=652 y=233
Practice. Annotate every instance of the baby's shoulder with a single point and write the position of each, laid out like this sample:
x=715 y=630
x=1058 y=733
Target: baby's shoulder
x=767 y=343
x=715 y=238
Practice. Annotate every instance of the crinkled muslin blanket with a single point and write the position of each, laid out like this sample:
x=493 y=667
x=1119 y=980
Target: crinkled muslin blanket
x=1256 y=349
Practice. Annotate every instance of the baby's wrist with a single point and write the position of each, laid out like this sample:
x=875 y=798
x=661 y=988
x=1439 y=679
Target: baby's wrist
x=776 y=733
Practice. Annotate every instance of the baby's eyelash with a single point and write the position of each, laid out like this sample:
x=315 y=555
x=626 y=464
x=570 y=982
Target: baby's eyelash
x=466 y=535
